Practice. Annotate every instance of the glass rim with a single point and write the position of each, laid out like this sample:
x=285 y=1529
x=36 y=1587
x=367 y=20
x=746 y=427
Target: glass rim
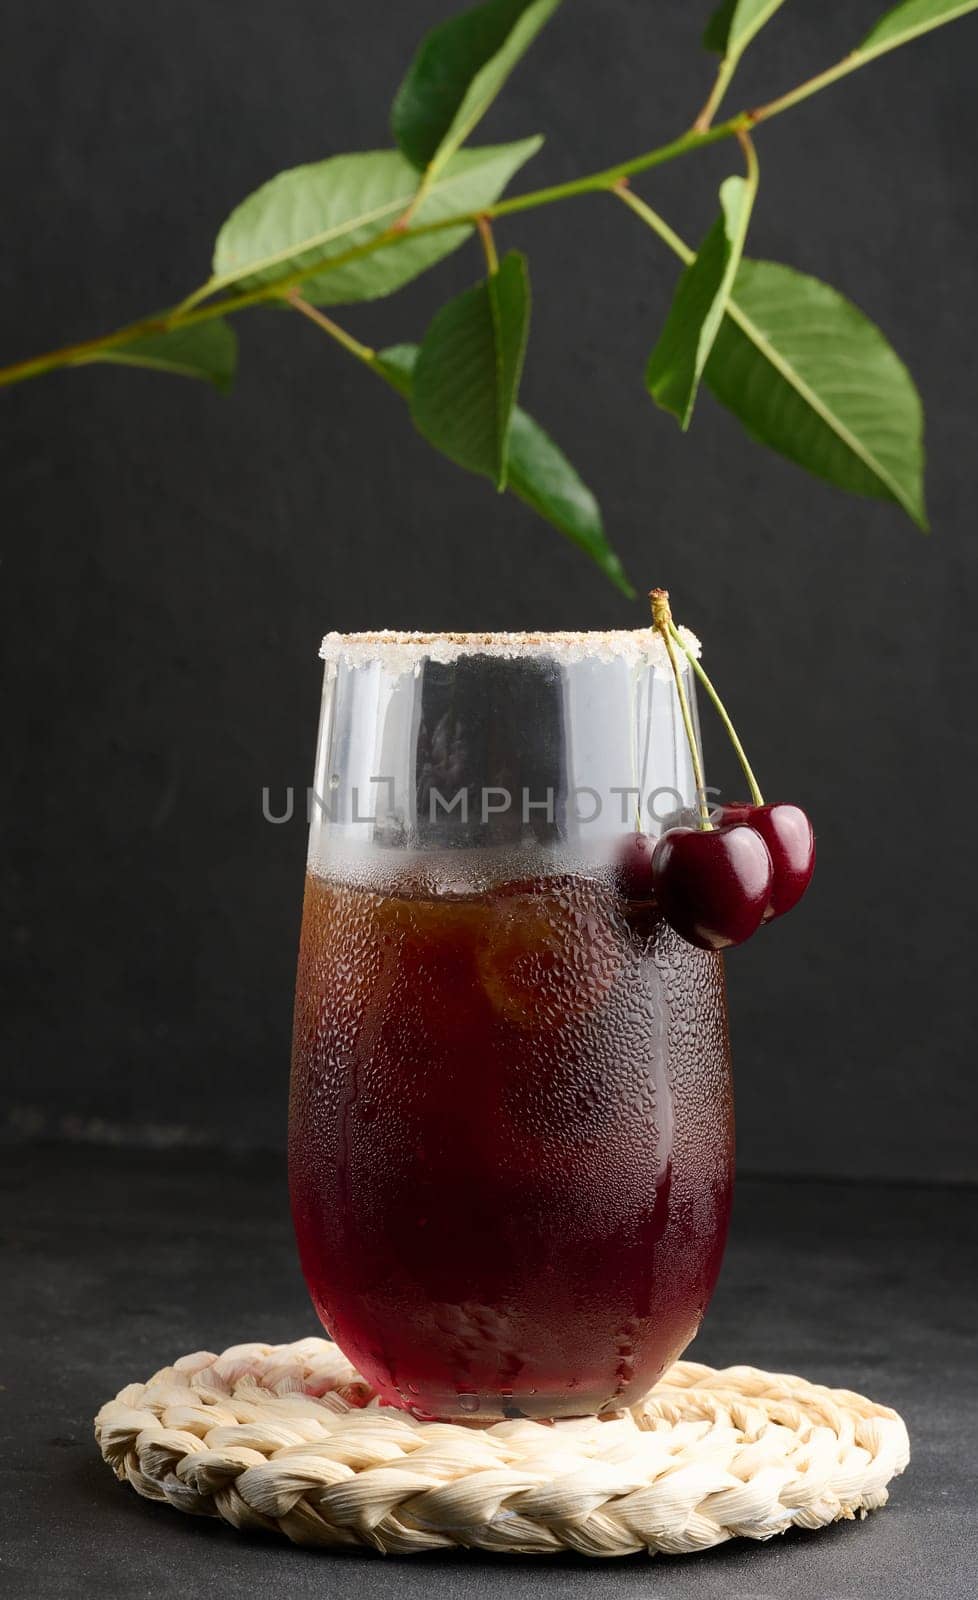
x=402 y=649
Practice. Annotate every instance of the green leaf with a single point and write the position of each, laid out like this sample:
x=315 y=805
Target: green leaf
x=543 y=477
x=810 y=376
x=717 y=31
x=735 y=23
x=468 y=370
x=397 y=363
x=207 y=350
x=308 y=216
x=458 y=72
x=676 y=364
x=914 y=17
x=539 y=473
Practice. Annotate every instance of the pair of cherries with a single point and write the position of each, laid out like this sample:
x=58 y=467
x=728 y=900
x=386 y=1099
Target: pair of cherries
x=749 y=862
x=717 y=886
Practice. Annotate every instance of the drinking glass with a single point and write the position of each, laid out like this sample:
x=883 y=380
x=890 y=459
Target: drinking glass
x=511 y=1131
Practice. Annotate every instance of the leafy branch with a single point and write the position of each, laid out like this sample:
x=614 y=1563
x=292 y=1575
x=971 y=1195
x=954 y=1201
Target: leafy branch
x=804 y=371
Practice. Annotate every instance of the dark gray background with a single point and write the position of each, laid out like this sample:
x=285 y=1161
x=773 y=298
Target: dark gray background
x=170 y=559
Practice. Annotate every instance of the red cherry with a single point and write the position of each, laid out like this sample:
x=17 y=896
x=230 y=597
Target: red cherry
x=732 y=811
x=713 y=885
x=790 y=839
x=633 y=868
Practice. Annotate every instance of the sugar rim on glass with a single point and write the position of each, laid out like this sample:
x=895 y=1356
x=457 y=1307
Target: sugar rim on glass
x=405 y=651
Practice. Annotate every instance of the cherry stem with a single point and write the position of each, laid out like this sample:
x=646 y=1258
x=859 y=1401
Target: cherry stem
x=722 y=713
x=662 y=620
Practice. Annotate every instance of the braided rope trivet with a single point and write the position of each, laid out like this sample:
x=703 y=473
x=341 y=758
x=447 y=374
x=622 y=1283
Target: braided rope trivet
x=290 y=1438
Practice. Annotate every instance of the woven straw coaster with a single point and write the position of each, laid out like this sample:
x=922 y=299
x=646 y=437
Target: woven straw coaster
x=289 y=1438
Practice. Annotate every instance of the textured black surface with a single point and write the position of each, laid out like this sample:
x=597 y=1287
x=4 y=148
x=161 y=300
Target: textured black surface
x=115 y=1264
x=171 y=559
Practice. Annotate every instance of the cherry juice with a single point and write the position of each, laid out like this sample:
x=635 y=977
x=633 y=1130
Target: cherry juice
x=511 y=1141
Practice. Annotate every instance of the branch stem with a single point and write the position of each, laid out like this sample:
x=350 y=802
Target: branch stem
x=418 y=198
x=594 y=182
x=658 y=224
x=362 y=352
x=190 y=310
x=488 y=245
x=803 y=91
x=750 y=157
x=76 y=355
x=721 y=84
x=850 y=63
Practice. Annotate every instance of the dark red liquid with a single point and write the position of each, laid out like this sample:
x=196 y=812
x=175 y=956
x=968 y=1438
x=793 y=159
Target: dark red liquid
x=511 y=1142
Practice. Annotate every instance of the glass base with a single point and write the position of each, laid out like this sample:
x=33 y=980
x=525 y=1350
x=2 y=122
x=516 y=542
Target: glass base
x=485 y=1409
